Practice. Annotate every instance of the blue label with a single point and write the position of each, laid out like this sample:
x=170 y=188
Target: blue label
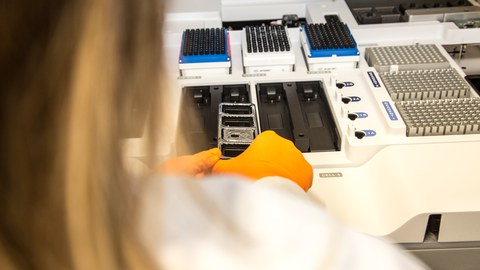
x=348 y=84
x=369 y=132
x=361 y=114
x=373 y=78
x=355 y=98
x=389 y=110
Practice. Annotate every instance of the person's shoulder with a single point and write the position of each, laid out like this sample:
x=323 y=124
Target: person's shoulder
x=236 y=222
x=226 y=219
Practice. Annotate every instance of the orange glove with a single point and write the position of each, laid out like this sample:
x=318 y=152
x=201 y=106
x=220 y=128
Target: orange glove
x=197 y=164
x=270 y=155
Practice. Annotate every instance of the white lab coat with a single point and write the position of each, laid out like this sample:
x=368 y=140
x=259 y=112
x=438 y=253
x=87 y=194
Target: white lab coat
x=226 y=222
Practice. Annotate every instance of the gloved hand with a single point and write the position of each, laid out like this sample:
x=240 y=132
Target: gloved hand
x=197 y=164
x=270 y=155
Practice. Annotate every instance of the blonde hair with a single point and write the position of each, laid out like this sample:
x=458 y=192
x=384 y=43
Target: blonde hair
x=76 y=74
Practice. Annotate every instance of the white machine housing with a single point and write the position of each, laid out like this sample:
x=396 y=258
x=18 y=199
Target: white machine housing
x=384 y=184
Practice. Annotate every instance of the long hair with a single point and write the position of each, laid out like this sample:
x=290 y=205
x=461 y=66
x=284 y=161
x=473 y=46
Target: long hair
x=76 y=77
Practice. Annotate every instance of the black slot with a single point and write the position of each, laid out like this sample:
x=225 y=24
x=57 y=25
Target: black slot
x=333 y=18
x=346 y=100
x=201 y=95
x=237 y=121
x=300 y=135
x=352 y=116
x=360 y=134
x=198 y=119
x=273 y=110
x=235 y=94
x=233 y=150
x=433 y=228
x=232 y=109
x=318 y=118
x=300 y=113
x=474 y=81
